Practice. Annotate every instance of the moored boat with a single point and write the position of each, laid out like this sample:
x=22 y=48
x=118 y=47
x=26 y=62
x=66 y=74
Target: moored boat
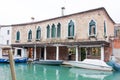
x=20 y=59
x=16 y=60
x=4 y=60
x=49 y=62
x=93 y=64
x=114 y=63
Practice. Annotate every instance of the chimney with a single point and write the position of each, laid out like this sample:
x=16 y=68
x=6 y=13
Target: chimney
x=62 y=8
x=32 y=18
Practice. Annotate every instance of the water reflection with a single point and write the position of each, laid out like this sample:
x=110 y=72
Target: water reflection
x=114 y=76
x=45 y=72
x=92 y=74
x=4 y=72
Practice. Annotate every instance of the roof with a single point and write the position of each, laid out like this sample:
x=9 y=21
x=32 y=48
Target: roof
x=5 y=25
x=117 y=24
x=101 y=8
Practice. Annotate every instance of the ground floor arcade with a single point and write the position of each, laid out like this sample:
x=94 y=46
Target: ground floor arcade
x=74 y=51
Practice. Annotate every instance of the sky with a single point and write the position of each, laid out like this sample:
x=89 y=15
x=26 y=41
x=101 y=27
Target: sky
x=21 y=11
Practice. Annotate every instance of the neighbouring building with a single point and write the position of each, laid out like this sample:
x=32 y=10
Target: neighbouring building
x=5 y=39
x=70 y=37
x=116 y=42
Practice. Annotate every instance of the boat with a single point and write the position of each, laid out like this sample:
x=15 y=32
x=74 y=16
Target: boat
x=16 y=60
x=114 y=63
x=20 y=59
x=4 y=60
x=49 y=62
x=93 y=64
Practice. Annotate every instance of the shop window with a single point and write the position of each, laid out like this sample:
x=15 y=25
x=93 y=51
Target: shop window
x=95 y=51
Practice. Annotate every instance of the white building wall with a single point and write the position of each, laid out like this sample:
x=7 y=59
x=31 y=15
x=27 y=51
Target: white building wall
x=4 y=36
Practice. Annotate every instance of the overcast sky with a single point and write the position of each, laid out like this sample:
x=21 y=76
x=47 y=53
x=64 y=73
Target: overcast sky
x=21 y=11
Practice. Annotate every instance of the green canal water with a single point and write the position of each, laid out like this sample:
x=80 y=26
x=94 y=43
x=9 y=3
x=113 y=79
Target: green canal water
x=47 y=72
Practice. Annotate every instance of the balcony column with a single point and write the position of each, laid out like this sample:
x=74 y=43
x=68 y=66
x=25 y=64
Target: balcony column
x=57 y=52
x=35 y=52
x=102 y=53
x=76 y=53
x=45 y=53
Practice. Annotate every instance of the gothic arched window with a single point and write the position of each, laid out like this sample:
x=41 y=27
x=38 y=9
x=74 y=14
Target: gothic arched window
x=38 y=33
x=71 y=29
x=53 y=31
x=48 y=31
x=105 y=31
x=30 y=35
x=92 y=28
x=58 y=30
x=17 y=36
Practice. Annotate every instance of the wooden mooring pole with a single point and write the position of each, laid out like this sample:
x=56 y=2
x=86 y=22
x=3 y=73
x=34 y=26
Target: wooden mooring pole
x=12 y=67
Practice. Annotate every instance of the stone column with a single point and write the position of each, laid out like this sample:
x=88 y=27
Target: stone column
x=86 y=52
x=79 y=50
x=76 y=53
x=102 y=53
x=57 y=52
x=23 y=52
x=35 y=52
x=45 y=53
x=15 y=54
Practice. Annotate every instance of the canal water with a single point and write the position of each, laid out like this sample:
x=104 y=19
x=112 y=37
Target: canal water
x=47 y=72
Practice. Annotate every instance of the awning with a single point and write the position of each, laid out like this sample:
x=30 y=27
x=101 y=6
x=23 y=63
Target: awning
x=83 y=43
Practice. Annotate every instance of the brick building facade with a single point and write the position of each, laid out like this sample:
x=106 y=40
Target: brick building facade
x=75 y=37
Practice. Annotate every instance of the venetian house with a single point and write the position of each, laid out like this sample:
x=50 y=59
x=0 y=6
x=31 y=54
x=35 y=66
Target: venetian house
x=70 y=37
x=5 y=39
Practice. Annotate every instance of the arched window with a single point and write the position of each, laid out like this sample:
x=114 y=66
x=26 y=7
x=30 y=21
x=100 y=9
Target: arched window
x=17 y=36
x=92 y=28
x=53 y=31
x=58 y=30
x=48 y=31
x=38 y=33
x=105 y=28
x=30 y=35
x=71 y=29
